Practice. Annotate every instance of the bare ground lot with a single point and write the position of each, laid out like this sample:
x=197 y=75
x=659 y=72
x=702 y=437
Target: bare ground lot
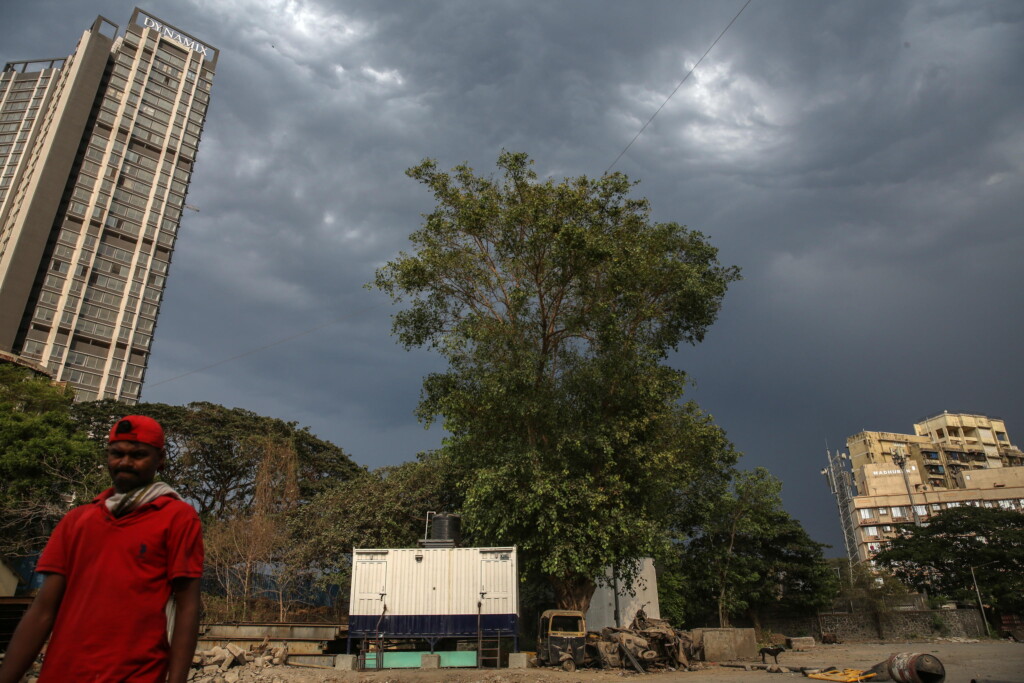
x=964 y=661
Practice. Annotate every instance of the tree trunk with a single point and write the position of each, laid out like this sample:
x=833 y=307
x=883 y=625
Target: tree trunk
x=755 y=618
x=573 y=593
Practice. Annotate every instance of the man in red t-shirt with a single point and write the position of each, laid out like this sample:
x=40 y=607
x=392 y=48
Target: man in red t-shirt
x=112 y=567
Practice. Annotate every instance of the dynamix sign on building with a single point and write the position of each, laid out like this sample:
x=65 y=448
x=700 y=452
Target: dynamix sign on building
x=189 y=42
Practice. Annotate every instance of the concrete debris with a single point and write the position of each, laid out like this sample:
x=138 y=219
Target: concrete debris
x=232 y=664
x=800 y=644
x=229 y=664
x=651 y=643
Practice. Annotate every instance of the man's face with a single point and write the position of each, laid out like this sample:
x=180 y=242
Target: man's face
x=132 y=464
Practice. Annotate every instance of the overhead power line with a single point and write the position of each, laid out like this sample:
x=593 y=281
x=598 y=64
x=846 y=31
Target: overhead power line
x=644 y=127
x=361 y=311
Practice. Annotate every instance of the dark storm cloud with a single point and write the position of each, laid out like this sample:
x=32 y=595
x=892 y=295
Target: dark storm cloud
x=860 y=161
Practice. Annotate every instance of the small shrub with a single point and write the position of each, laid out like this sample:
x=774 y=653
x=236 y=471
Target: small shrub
x=939 y=625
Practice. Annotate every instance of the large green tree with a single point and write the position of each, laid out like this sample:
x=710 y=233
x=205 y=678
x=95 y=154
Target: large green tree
x=215 y=454
x=385 y=508
x=555 y=305
x=939 y=557
x=748 y=556
x=47 y=464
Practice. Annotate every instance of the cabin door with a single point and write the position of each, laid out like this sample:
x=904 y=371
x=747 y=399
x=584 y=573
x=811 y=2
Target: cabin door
x=496 y=587
x=371 y=588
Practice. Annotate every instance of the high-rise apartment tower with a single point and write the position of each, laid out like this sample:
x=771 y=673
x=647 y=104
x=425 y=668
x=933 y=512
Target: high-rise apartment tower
x=96 y=153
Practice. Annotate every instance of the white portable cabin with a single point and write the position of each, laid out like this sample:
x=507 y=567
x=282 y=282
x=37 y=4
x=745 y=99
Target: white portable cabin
x=434 y=593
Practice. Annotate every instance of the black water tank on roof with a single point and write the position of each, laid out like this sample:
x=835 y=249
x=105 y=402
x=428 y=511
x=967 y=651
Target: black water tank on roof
x=446 y=527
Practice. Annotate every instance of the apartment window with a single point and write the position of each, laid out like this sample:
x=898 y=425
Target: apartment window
x=108 y=282
x=99 y=313
x=94 y=329
x=883 y=511
x=921 y=510
x=33 y=348
x=898 y=511
x=87 y=379
x=871 y=531
x=86 y=361
x=865 y=513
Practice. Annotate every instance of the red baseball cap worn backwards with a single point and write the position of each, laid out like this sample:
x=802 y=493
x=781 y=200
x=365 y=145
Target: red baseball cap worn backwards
x=138 y=428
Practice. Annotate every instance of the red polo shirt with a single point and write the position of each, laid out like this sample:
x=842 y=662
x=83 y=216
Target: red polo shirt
x=111 y=625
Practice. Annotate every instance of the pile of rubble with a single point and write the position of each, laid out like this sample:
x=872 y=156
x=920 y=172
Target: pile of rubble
x=229 y=664
x=232 y=664
x=647 y=645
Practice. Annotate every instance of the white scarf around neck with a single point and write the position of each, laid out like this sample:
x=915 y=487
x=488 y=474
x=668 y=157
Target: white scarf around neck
x=120 y=504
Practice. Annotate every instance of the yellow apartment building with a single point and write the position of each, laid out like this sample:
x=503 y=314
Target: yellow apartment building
x=951 y=459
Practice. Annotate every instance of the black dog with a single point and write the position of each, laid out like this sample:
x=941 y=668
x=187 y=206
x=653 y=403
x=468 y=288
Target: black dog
x=774 y=651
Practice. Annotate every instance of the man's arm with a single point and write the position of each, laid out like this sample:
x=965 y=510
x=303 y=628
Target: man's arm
x=186 y=628
x=33 y=630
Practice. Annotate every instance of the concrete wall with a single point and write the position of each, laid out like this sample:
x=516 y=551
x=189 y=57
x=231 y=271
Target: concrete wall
x=8 y=580
x=645 y=596
x=909 y=625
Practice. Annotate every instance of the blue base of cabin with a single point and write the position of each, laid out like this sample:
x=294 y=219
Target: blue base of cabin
x=432 y=626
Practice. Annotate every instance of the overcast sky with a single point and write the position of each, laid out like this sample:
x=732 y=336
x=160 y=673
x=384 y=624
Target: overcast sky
x=860 y=161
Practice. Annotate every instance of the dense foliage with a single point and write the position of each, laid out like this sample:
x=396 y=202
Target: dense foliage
x=748 y=556
x=46 y=462
x=939 y=558
x=215 y=453
x=555 y=305
x=246 y=474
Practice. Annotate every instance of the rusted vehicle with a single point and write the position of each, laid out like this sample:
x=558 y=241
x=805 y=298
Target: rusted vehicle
x=648 y=644
x=562 y=639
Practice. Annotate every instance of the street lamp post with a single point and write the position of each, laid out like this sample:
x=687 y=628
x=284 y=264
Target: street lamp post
x=981 y=607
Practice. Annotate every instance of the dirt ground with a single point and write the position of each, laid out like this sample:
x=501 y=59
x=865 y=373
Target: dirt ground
x=989 y=660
